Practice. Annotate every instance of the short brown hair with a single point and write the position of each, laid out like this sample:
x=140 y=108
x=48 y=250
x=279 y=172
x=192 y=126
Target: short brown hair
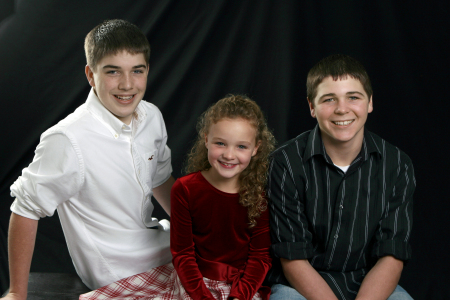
x=113 y=36
x=338 y=66
x=253 y=179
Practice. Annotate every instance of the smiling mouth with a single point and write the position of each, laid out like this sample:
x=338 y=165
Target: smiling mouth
x=124 y=99
x=343 y=123
x=227 y=165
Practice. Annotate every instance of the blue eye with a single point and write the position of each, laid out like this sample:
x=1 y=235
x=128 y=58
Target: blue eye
x=242 y=147
x=138 y=71
x=220 y=143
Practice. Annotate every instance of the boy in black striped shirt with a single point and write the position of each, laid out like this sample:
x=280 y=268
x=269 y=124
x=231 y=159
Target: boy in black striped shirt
x=341 y=197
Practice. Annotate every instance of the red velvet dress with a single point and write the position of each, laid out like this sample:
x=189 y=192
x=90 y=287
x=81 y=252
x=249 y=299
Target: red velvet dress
x=210 y=238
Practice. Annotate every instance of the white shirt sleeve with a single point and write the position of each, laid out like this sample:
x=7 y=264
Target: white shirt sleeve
x=53 y=177
x=164 y=165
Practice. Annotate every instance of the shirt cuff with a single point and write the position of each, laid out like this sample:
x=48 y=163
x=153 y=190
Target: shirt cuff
x=22 y=211
x=291 y=251
x=399 y=249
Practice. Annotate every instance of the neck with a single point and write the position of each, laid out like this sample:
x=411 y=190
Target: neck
x=342 y=154
x=225 y=185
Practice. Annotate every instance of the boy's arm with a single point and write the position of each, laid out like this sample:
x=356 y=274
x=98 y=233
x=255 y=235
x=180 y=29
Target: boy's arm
x=162 y=194
x=21 y=239
x=52 y=177
x=392 y=236
x=291 y=239
x=382 y=279
x=306 y=280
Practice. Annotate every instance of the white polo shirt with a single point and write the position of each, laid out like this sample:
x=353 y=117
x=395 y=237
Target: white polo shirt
x=99 y=173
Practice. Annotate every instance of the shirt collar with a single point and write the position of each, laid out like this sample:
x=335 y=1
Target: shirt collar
x=114 y=125
x=314 y=145
x=369 y=145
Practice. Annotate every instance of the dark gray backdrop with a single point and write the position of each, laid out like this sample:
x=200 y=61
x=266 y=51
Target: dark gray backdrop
x=202 y=50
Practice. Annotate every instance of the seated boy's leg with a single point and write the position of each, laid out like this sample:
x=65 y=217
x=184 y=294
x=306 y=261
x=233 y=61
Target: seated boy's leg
x=399 y=294
x=284 y=292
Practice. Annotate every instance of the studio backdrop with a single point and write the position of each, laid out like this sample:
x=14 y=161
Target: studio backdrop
x=203 y=50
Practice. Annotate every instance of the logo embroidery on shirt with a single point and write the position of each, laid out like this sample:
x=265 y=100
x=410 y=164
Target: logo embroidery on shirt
x=150 y=158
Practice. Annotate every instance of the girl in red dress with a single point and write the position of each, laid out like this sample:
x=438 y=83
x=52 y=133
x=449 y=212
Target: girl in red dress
x=219 y=218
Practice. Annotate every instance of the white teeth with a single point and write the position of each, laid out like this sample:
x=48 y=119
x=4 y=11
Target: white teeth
x=124 y=98
x=343 y=123
x=225 y=164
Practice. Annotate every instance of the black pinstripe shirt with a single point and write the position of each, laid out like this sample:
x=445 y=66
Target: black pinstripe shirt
x=341 y=222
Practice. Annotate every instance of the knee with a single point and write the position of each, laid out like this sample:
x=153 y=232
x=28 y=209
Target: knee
x=284 y=292
x=399 y=294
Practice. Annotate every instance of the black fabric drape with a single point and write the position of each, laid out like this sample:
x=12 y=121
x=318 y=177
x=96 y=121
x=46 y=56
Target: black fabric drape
x=202 y=50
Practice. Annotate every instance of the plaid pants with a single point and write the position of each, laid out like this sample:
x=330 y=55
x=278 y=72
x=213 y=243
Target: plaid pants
x=160 y=283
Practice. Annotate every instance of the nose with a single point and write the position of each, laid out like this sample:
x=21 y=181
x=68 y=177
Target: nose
x=341 y=107
x=126 y=82
x=228 y=153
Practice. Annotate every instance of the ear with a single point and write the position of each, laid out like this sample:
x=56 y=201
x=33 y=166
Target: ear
x=89 y=75
x=370 y=109
x=256 y=148
x=311 y=108
x=206 y=140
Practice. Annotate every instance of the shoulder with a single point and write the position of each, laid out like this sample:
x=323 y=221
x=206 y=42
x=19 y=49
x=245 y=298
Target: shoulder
x=152 y=119
x=187 y=188
x=186 y=181
x=79 y=120
x=392 y=154
x=149 y=108
x=293 y=147
x=192 y=178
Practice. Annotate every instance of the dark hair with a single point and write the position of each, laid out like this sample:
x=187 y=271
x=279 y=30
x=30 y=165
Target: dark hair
x=113 y=36
x=338 y=66
x=253 y=179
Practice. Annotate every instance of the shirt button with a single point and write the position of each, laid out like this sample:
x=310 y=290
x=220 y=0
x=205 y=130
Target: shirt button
x=335 y=236
x=341 y=206
x=123 y=127
x=116 y=136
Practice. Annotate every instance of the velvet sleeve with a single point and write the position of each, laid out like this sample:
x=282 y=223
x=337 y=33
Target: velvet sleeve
x=182 y=245
x=258 y=262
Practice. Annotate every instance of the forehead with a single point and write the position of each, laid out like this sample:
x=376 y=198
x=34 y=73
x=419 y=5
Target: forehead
x=340 y=86
x=122 y=59
x=233 y=127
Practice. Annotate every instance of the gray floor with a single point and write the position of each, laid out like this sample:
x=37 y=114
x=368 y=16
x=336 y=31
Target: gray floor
x=61 y=286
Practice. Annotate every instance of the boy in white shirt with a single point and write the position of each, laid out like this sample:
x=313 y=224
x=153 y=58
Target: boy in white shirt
x=99 y=168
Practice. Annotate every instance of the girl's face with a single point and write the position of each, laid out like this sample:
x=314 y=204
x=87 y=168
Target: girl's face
x=231 y=144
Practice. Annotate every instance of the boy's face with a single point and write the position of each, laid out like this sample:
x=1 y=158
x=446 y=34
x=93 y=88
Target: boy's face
x=341 y=108
x=119 y=82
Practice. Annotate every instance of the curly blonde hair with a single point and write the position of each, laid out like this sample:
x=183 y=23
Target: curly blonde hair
x=253 y=179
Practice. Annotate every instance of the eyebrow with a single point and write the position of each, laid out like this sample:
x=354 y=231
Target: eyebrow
x=348 y=93
x=327 y=95
x=117 y=67
x=355 y=92
x=219 y=139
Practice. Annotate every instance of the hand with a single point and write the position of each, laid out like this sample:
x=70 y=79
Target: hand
x=13 y=296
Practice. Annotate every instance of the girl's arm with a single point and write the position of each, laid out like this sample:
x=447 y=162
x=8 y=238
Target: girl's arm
x=258 y=262
x=182 y=245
